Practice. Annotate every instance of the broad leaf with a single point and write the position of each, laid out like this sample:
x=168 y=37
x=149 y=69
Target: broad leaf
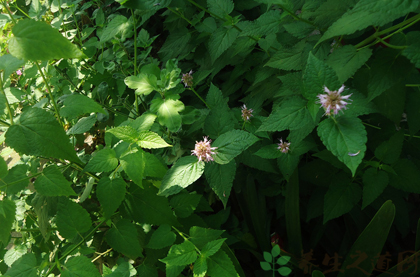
x=162 y=237
x=77 y=104
x=83 y=125
x=182 y=174
x=125 y=133
x=220 y=7
x=3 y=170
x=168 y=112
x=389 y=151
x=220 y=178
x=143 y=122
x=346 y=138
x=52 y=183
x=200 y=266
x=287 y=164
x=118 y=25
x=79 y=266
x=181 y=254
x=231 y=144
x=220 y=40
x=201 y=236
x=110 y=194
x=212 y=247
x=406 y=177
x=151 y=140
x=220 y=264
x=374 y=183
x=123 y=237
x=103 y=160
x=288 y=58
x=268 y=23
x=133 y=164
x=143 y=83
x=72 y=219
x=7 y=217
x=184 y=204
x=413 y=49
x=154 y=167
x=38 y=133
x=16 y=179
x=24 y=267
x=10 y=64
x=50 y=44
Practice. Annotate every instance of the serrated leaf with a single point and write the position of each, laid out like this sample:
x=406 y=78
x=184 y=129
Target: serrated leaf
x=72 y=219
x=14 y=95
x=162 y=237
x=145 y=206
x=125 y=133
x=123 y=237
x=265 y=266
x=118 y=25
x=220 y=178
x=291 y=114
x=110 y=194
x=317 y=75
x=154 y=167
x=123 y=270
x=25 y=266
x=231 y=144
x=340 y=198
x=3 y=169
x=151 y=140
x=344 y=136
x=220 y=7
x=103 y=160
x=143 y=84
x=347 y=60
x=14 y=254
x=182 y=174
x=200 y=267
x=389 y=151
x=168 y=112
x=83 y=125
x=147 y=270
x=10 y=64
x=406 y=177
x=79 y=266
x=212 y=247
x=181 y=254
x=374 y=183
x=413 y=49
x=52 y=183
x=200 y=236
x=143 y=122
x=50 y=44
x=220 y=265
x=77 y=104
x=220 y=40
x=288 y=58
x=133 y=164
x=267 y=23
x=7 y=217
x=184 y=204
x=38 y=133
x=17 y=177
x=299 y=29
x=369 y=13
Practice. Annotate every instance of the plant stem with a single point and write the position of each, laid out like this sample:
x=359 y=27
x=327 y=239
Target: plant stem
x=5 y=123
x=49 y=92
x=136 y=100
x=77 y=27
x=8 y=11
x=200 y=97
x=9 y=110
x=180 y=15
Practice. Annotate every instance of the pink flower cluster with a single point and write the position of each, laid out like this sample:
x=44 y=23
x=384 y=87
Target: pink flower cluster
x=333 y=101
x=203 y=150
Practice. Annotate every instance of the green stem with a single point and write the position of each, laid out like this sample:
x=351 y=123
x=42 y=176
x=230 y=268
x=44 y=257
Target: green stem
x=9 y=110
x=5 y=123
x=49 y=93
x=367 y=124
x=412 y=85
x=136 y=100
x=180 y=15
x=8 y=11
x=77 y=167
x=185 y=238
x=200 y=97
x=295 y=16
x=77 y=27
x=390 y=45
x=17 y=7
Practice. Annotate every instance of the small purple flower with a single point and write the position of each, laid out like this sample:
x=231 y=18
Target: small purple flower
x=333 y=101
x=187 y=79
x=283 y=146
x=246 y=113
x=203 y=150
x=19 y=72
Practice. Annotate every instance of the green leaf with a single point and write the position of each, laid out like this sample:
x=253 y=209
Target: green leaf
x=110 y=194
x=14 y=95
x=212 y=247
x=220 y=40
x=162 y=237
x=26 y=266
x=2 y=104
x=200 y=267
x=118 y=25
x=39 y=134
x=10 y=64
x=79 y=266
x=317 y=75
x=200 y=236
x=184 y=204
x=77 y=104
x=125 y=133
x=275 y=251
x=7 y=217
x=182 y=174
x=406 y=177
x=317 y=273
x=269 y=152
x=413 y=49
x=50 y=44
x=284 y=271
x=143 y=122
x=181 y=254
x=374 y=183
x=288 y=58
x=83 y=125
x=14 y=254
x=291 y=114
x=268 y=23
x=220 y=265
x=413 y=111
x=103 y=160
x=17 y=178
x=346 y=138
x=174 y=270
x=370 y=242
x=123 y=237
x=299 y=29
x=220 y=178
x=123 y=270
x=231 y=144
x=268 y=257
x=151 y=140
x=347 y=60
x=340 y=198
x=144 y=206
x=133 y=164
x=389 y=151
x=3 y=169
x=147 y=270
x=72 y=219
x=52 y=183
x=265 y=266
x=368 y=13
x=220 y=7
x=154 y=167
x=168 y=112
x=144 y=84
x=283 y=260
